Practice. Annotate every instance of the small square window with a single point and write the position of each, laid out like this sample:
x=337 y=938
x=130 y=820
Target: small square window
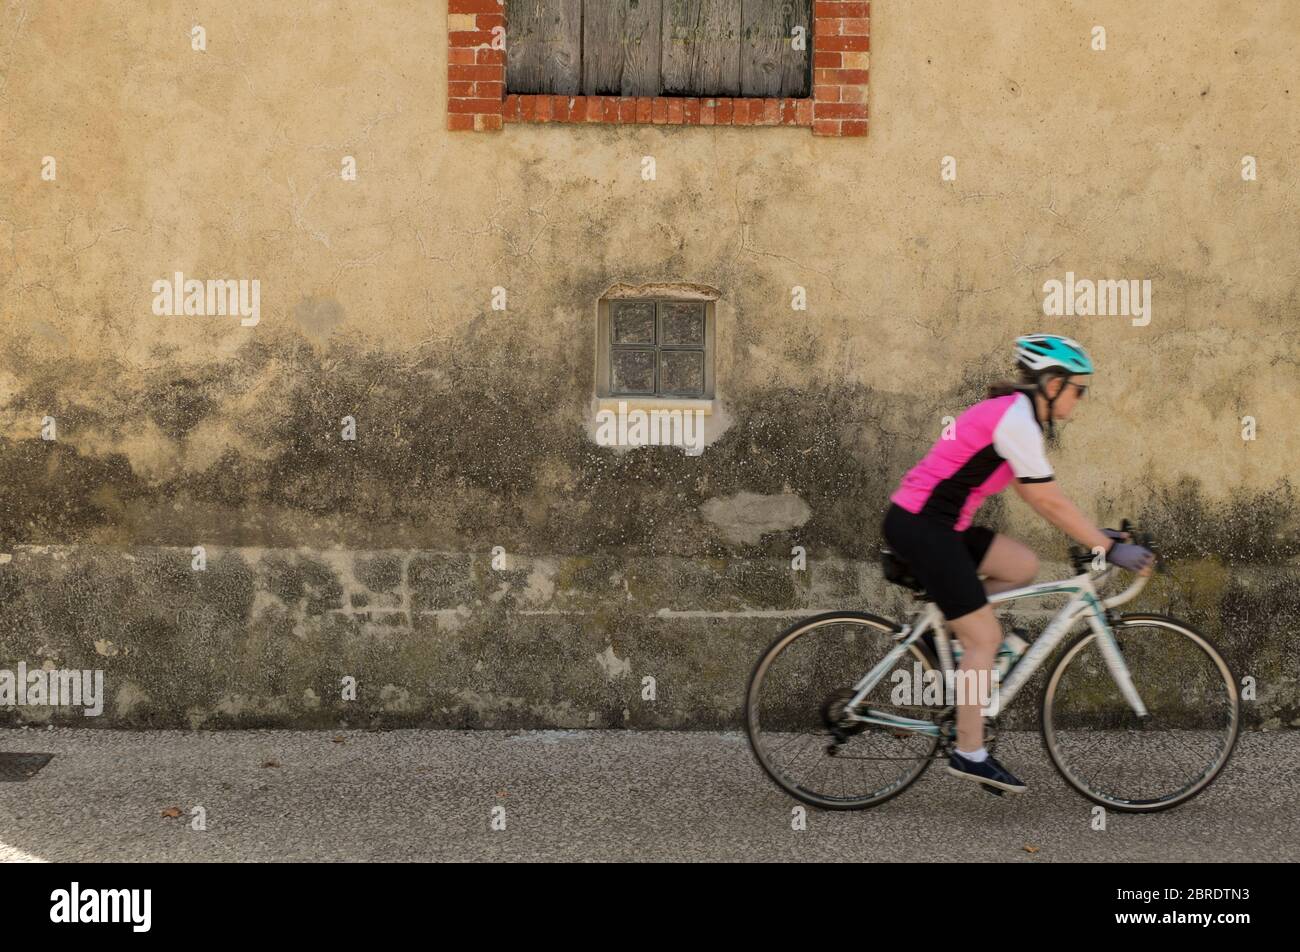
x=656 y=348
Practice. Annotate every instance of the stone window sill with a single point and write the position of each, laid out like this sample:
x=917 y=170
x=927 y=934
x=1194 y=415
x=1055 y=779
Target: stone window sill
x=649 y=404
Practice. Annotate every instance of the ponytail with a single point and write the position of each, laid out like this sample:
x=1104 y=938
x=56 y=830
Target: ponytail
x=1005 y=388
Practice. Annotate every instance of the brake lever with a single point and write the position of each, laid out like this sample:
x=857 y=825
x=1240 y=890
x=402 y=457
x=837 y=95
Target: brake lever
x=1147 y=541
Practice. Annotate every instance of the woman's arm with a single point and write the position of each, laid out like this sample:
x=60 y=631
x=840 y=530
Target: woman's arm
x=1048 y=501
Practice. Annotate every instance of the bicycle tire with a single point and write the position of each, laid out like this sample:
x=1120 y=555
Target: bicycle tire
x=1119 y=804
x=751 y=713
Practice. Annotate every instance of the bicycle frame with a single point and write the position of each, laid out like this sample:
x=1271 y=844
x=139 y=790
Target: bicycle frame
x=1084 y=603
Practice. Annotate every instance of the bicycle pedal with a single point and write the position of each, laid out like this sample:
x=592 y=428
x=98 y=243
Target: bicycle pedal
x=993 y=790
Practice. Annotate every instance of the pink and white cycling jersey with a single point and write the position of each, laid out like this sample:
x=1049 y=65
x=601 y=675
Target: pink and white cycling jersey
x=992 y=441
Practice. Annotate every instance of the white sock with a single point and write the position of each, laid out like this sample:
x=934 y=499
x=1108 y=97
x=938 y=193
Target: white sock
x=977 y=756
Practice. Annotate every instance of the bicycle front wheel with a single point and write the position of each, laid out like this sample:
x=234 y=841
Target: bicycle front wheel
x=795 y=713
x=1142 y=765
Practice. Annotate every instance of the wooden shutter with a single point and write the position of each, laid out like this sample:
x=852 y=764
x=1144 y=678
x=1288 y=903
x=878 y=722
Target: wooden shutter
x=658 y=47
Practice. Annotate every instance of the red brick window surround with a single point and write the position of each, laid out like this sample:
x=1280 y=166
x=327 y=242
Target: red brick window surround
x=477 y=98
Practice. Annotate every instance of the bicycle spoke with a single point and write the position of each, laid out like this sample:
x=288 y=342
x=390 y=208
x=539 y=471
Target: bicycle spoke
x=790 y=764
x=815 y=748
x=786 y=743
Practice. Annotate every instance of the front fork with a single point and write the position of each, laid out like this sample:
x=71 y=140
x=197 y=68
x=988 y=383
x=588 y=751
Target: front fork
x=1102 y=622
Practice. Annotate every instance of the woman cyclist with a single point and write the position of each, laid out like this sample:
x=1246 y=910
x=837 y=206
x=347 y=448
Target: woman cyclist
x=928 y=524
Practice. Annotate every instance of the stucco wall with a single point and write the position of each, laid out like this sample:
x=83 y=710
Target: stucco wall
x=473 y=423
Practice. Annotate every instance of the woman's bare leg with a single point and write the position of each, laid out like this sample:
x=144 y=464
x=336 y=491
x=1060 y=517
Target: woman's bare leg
x=1008 y=564
x=979 y=634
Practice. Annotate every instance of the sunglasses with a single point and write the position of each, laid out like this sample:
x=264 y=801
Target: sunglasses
x=1082 y=388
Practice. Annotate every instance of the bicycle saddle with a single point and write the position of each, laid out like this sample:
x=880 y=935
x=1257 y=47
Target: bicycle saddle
x=898 y=571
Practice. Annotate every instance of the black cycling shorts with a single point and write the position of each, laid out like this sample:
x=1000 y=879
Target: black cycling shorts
x=946 y=562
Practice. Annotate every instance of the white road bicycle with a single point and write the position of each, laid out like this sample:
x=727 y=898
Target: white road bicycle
x=1140 y=712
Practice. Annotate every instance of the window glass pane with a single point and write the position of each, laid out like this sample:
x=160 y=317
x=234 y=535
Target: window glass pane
x=681 y=372
x=683 y=323
x=633 y=371
x=633 y=322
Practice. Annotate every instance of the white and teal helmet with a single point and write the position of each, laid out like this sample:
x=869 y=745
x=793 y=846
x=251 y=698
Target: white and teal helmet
x=1051 y=354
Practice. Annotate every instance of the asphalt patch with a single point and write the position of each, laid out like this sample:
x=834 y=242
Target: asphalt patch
x=18 y=767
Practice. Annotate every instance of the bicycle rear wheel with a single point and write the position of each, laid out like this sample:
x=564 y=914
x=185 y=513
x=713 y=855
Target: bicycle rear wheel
x=794 y=713
x=1133 y=765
